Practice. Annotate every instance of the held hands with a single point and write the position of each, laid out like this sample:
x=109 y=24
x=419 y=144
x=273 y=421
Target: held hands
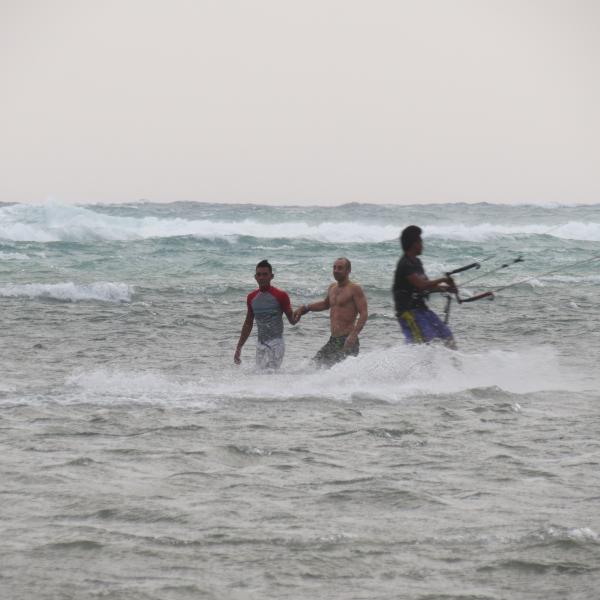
x=301 y=310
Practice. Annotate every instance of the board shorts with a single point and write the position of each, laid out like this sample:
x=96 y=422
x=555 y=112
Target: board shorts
x=332 y=352
x=269 y=353
x=421 y=326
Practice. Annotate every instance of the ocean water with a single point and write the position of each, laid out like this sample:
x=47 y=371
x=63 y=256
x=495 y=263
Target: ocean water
x=138 y=462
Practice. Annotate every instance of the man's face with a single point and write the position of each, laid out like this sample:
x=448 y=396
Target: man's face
x=263 y=277
x=340 y=270
x=419 y=247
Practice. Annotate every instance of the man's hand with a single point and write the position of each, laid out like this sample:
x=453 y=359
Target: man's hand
x=350 y=342
x=451 y=285
x=452 y=288
x=298 y=313
x=237 y=357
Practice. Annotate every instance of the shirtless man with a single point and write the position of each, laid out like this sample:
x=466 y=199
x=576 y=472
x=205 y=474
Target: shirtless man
x=346 y=301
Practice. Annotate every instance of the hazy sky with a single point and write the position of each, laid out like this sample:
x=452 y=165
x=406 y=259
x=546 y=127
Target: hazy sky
x=305 y=102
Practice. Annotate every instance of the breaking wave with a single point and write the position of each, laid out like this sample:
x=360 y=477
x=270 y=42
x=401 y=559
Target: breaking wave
x=13 y=256
x=69 y=291
x=23 y=223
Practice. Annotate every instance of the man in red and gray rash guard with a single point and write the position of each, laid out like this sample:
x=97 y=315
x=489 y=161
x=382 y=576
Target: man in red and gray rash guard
x=266 y=305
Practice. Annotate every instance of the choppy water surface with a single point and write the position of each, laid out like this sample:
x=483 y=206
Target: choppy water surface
x=139 y=462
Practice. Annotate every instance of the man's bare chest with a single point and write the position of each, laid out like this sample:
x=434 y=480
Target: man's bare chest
x=340 y=297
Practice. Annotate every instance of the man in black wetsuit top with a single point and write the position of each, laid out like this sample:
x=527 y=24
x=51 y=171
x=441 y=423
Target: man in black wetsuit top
x=419 y=324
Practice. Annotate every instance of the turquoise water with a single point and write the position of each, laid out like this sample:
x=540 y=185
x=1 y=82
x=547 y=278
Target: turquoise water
x=139 y=462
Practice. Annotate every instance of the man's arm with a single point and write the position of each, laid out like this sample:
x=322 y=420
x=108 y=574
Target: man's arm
x=313 y=307
x=290 y=314
x=286 y=307
x=246 y=329
x=360 y=300
x=431 y=285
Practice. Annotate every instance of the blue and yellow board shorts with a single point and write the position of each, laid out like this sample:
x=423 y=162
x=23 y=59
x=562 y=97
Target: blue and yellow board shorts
x=421 y=326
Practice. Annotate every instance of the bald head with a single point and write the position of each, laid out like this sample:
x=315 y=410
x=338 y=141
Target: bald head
x=346 y=261
x=341 y=270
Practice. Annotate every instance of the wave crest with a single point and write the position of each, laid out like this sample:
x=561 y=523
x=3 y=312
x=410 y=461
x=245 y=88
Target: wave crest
x=24 y=223
x=69 y=291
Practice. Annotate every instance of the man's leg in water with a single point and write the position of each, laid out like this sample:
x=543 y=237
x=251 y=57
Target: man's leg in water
x=328 y=355
x=269 y=354
x=333 y=352
x=421 y=326
x=437 y=329
x=410 y=328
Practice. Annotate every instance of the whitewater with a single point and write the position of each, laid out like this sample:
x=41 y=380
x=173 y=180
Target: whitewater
x=139 y=462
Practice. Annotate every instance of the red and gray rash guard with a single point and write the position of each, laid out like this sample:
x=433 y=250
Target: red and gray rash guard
x=268 y=308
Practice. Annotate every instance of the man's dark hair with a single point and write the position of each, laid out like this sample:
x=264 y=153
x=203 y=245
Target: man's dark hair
x=409 y=236
x=265 y=263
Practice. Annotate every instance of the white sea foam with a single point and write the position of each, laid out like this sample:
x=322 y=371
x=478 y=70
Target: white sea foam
x=70 y=292
x=392 y=375
x=575 y=534
x=572 y=278
x=573 y=230
x=54 y=223
x=534 y=282
x=13 y=256
x=143 y=387
x=395 y=373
